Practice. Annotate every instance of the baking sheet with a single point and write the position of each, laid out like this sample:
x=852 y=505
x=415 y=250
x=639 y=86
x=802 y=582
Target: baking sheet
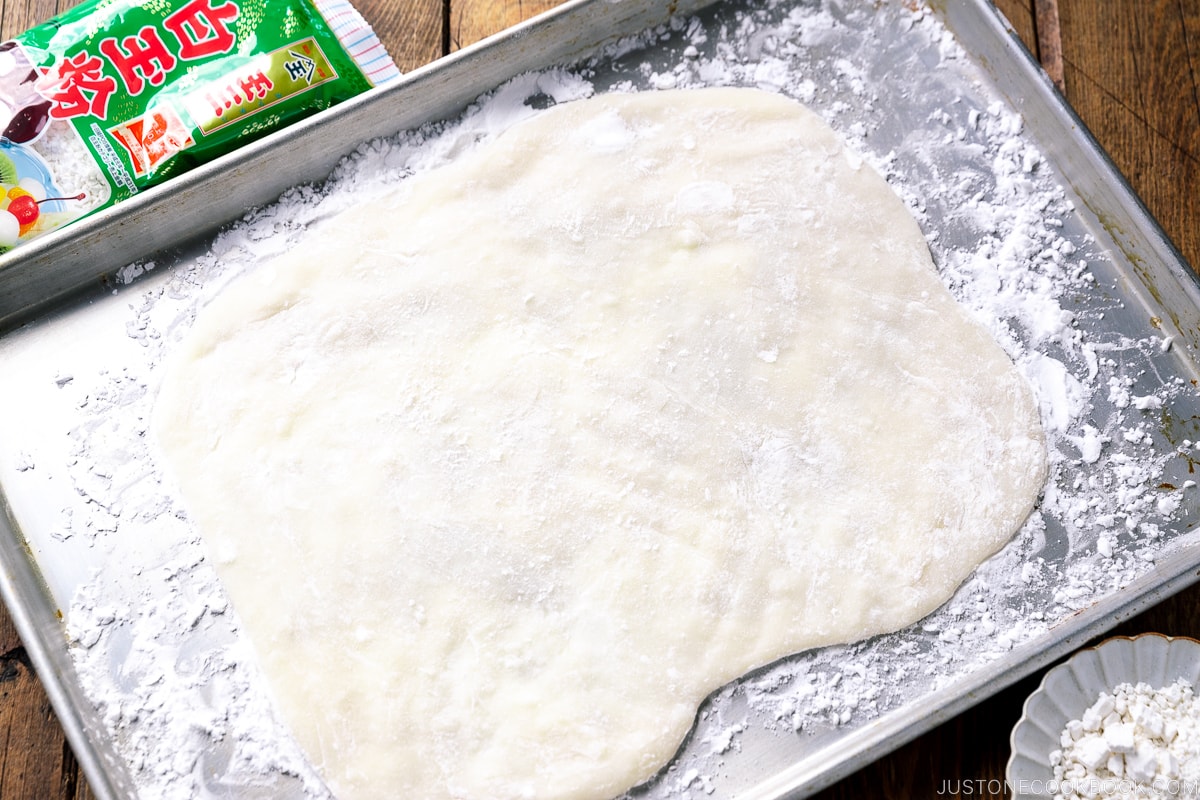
x=1029 y=225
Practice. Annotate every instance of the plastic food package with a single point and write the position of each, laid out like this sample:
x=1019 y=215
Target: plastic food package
x=112 y=97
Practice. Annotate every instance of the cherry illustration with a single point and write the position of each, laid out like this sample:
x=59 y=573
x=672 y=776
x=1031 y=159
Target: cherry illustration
x=22 y=212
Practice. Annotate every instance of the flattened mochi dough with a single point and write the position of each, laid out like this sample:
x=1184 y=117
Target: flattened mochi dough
x=506 y=473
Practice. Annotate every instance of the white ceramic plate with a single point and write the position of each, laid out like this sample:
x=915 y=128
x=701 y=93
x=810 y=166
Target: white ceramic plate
x=1072 y=687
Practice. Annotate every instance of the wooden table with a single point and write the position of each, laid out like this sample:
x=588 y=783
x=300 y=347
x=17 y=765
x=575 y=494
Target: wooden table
x=1131 y=69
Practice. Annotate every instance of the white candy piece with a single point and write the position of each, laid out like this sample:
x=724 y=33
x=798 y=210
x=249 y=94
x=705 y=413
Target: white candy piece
x=1150 y=721
x=1092 y=719
x=1142 y=764
x=1147 y=739
x=1092 y=752
x=1119 y=736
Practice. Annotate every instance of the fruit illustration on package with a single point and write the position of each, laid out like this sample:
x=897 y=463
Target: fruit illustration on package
x=25 y=207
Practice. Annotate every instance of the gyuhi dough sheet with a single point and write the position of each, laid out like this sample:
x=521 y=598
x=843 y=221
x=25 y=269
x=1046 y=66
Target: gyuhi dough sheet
x=506 y=473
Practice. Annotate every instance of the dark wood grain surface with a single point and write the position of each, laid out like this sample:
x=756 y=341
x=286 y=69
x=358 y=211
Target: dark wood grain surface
x=1130 y=68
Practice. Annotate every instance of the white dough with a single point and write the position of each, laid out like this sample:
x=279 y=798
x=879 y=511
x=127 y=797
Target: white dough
x=507 y=473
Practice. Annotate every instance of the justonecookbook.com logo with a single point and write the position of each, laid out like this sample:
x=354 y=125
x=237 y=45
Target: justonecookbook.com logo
x=1069 y=789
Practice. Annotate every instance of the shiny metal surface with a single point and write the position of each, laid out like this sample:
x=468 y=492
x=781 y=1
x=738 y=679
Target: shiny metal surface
x=64 y=271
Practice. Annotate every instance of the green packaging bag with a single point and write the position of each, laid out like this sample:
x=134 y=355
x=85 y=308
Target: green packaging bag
x=115 y=96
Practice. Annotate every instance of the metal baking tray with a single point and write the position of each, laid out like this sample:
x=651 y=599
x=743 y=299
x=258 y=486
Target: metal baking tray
x=944 y=100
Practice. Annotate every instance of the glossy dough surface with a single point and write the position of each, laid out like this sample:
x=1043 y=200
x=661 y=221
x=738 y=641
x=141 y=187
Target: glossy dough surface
x=506 y=474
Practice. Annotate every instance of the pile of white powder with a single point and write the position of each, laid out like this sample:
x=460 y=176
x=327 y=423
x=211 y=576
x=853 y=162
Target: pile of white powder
x=157 y=646
x=1136 y=742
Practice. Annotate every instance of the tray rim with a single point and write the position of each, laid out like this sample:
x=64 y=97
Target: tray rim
x=1162 y=255
x=41 y=628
